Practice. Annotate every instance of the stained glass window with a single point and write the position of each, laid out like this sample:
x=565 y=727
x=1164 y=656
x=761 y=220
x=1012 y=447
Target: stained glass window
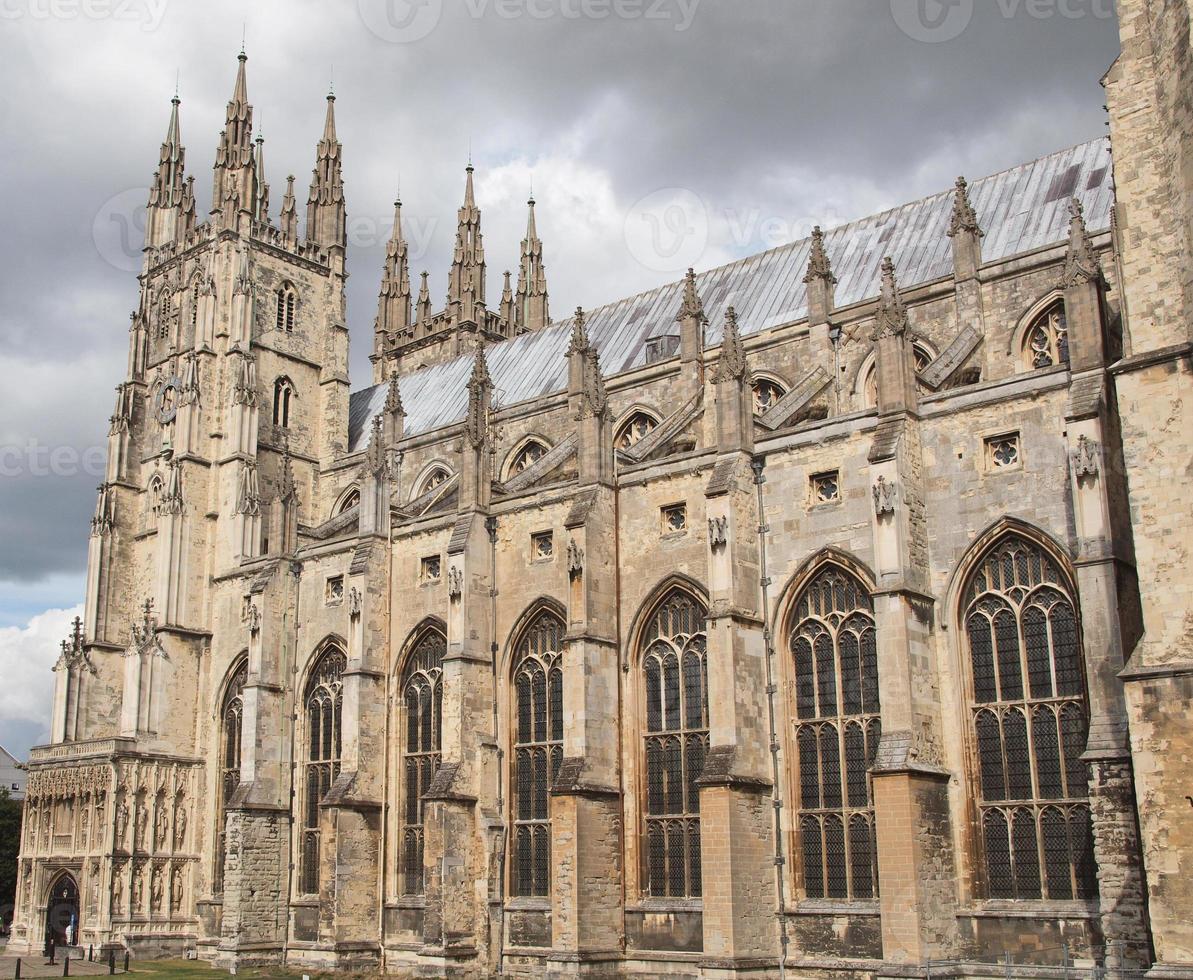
x=231 y=726
x=675 y=669
x=836 y=734
x=538 y=749
x=422 y=700
x=323 y=701
x=1030 y=722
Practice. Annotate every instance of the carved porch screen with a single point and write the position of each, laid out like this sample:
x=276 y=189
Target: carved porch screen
x=1030 y=722
x=837 y=728
x=422 y=697
x=675 y=744
x=231 y=725
x=538 y=750
x=324 y=698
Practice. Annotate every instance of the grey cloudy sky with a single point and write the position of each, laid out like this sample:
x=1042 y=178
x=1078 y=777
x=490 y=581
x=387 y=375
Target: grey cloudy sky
x=758 y=117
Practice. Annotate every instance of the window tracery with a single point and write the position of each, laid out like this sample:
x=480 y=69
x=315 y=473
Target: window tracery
x=675 y=744
x=422 y=696
x=1046 y=342
x=1030 y=723
x=231 y=726
x=323 y=702
x=634 y=429
x=538 y=750
x=837 y=729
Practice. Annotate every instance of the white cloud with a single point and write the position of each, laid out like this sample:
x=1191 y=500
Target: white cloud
x=27 y=657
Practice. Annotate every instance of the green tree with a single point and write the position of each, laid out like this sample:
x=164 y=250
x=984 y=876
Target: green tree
x=10 y=846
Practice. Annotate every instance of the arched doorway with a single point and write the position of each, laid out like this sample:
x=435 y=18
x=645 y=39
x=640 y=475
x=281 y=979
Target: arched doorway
x=62 y=910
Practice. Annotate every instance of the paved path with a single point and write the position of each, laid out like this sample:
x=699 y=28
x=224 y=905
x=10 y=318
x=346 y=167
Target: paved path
x=36 y=966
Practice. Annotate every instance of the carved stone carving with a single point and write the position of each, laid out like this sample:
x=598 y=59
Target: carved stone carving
x=355 y=602
x=575 y=556
x=1085 y=458
x=718 y=532
x=884 y=496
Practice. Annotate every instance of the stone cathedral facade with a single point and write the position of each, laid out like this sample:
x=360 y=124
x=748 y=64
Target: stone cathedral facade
x=828 y=609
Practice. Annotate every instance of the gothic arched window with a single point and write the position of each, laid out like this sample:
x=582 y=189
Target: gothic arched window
x=633 y=429
x=1030 y=721
x=1046 y=342
x=435 y=479
x=287 y=300
x=538 y=749
x=231 y=726
x=837 y=728
x=767 y=392
x=527 y=455
x=675 y=743
x=283 y=394
x=349 y=500
x=422 y=699
x=323 y=700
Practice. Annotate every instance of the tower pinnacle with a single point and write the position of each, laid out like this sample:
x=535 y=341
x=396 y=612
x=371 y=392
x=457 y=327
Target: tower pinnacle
x=530 y=307
x=326 y=218
x=466 y=282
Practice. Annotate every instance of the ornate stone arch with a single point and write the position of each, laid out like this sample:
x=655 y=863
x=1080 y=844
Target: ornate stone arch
x=228 y=727
x=670 y=735
x=1020 y=667
x=533 y=678
x=421 y=482
x=807 y=570
x=523 y=454
x=321 y=745
x=623 y=421
x=1018 y=335
x=348 y=498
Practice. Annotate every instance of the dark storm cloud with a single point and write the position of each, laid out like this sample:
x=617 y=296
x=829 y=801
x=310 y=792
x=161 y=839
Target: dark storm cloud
x=762 y=109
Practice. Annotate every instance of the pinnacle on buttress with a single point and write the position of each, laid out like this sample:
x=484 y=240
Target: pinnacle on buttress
x=731 y=366
x=393 y=397
x=1081 y=265
x=480 y=387
x=819 y=266
x=964 y=217
x=326 y=218
x=892 y=312
x=691 y=307
x=579 y=343
x=530 y=310
x=507 y=297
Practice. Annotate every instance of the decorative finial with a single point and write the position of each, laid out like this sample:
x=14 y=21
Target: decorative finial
x=177 y=78
x=244 y=29
x=964 y=217
x=579 y=342
x=731 y=366
x=892 y=313
x=819 y=266
x=691 y=305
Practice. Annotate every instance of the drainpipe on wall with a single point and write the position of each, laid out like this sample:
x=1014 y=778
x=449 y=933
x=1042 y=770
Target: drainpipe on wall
x=491 y=527
x=759 y=464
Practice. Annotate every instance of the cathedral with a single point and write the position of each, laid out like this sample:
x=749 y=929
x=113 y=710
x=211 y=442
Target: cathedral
x=828 y=613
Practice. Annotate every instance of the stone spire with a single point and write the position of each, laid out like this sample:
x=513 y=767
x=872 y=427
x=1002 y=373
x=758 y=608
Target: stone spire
x=234 y=189
x=325 y=205
x=168 y=192
x=466 y=283
x=692 y=307
x=422 y=310
x=966 y=234
x=393 y=305
x=290 y=214
x=820 y=281
x=261 y=203
x=731 y=365
x=892 y=313
x=579 y=342
x=531 y=307
x=508 y=314
x=1081 y=265
x=692 y=321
